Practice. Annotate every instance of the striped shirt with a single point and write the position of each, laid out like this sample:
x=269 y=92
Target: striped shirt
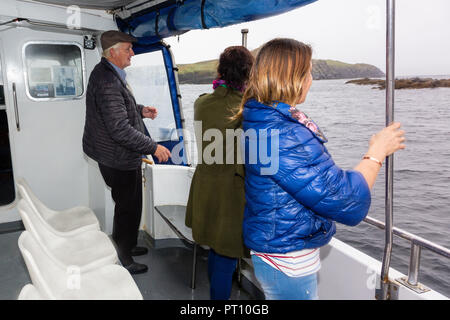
x=294 y=264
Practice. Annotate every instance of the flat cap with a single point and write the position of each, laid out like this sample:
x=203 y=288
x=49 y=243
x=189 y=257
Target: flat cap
x=111 y=37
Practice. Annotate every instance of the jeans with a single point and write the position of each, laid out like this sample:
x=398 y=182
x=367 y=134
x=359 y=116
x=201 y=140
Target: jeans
x=220 y=273
x=279 y=286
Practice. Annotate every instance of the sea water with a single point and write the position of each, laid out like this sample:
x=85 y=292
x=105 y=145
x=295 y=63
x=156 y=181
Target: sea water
x=348 y=115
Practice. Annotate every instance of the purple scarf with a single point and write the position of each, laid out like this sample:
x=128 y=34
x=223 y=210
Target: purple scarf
x=222 y=83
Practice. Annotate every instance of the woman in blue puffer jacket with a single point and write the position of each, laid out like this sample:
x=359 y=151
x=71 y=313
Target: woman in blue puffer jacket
x=294 y=190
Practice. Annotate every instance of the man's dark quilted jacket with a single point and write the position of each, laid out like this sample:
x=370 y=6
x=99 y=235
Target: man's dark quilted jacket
x=114 y=131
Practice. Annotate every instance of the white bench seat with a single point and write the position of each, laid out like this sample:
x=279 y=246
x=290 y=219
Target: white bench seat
x=87 y=250
x=65 y=222
x=29 y=292
x=107 y=282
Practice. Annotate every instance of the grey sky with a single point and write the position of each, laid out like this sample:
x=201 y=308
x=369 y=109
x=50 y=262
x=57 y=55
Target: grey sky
x=351 y=31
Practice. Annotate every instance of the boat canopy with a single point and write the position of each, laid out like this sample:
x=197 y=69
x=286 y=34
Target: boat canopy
x=153 y=20
x=97 y=4
x=170 y=18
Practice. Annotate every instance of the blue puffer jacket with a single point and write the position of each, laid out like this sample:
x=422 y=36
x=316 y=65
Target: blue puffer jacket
x=293 y=198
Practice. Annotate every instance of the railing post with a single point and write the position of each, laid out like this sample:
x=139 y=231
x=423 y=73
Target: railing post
x=244 y=37
x=414 y=263
x=412 y=280
x=390 y=87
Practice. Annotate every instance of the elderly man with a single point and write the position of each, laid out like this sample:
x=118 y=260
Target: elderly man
x=114 y=136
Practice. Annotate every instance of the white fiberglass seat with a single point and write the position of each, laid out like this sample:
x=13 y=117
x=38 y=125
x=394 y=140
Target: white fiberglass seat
x=66 y=222
x=171 y=184
x=87 y=250
x=170 y=187
x=108 y=282
x=29 y=292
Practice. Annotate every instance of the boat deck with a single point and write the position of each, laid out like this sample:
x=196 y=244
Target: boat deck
x=168 y=277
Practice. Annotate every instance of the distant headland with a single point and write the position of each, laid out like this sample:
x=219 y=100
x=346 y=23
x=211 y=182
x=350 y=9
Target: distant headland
x=205 y=72
x=411 y=83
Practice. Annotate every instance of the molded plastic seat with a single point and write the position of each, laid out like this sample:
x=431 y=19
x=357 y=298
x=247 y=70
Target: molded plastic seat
x=170 y=187
x=29 y=292
x=171 y=184
x=87 y=250
x=66 y=222
x=53 y=282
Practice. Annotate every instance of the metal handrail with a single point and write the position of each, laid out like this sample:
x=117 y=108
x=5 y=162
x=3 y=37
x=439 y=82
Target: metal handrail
x=412 y=237
x=416 y=244
x=16 y=108
x=389 y=199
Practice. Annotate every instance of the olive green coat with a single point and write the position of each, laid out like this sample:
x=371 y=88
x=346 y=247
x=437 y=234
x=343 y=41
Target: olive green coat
x=216 y=202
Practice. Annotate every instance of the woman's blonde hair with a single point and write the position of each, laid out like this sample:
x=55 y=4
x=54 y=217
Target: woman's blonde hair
x=278 y=73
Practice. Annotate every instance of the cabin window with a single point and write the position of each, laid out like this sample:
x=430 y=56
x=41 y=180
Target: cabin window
x=53 y=71
x=147 y=77
x=7 y=191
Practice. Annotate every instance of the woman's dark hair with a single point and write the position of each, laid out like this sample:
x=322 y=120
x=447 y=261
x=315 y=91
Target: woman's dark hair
x=235 y=64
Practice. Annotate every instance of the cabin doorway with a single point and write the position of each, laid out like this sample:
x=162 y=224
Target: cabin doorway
x=7 y=190
x=44 y=81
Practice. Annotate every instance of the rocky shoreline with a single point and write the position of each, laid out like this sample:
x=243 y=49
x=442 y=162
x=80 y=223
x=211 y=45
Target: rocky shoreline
x=411 y=83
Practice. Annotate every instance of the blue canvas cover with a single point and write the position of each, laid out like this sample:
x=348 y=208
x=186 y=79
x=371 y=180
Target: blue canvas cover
x=176 y=17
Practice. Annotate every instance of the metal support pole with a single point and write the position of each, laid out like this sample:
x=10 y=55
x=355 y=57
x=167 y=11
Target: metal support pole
x=414 y=263
x=390 y=87
x=244 y=37
x=194 y=266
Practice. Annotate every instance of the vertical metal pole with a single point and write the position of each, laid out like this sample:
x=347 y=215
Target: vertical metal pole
x=194 y=266
x=244 y=37
x=414 y=264
x=16 y=107
x=390 y=87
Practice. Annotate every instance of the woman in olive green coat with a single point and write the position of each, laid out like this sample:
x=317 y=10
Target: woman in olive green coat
x=216 y=200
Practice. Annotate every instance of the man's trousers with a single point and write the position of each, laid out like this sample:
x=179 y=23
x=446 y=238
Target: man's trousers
x=126 y=191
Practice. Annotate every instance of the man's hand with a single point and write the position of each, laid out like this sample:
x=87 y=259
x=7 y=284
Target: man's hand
x=149 y=112
x=162 y=153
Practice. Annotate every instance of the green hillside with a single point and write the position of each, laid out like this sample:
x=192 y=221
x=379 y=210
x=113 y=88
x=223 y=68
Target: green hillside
x=205 y=72
x=198 y=73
